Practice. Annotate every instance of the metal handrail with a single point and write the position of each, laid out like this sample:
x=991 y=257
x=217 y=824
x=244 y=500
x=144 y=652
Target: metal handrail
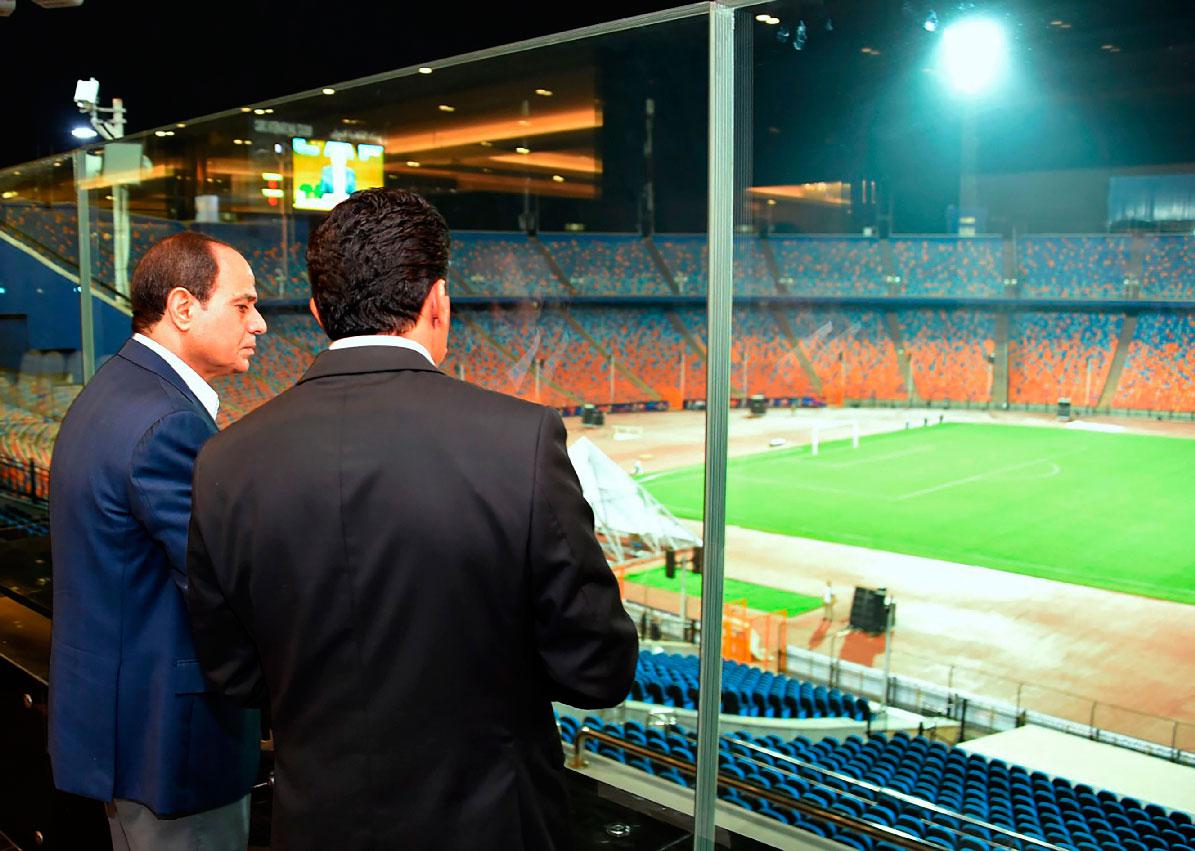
x=929 y=806
x=62 y=260
x=878 y=831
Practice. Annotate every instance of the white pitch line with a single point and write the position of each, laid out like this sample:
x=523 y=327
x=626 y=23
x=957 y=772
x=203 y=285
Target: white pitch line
x=833 y=465
x=969 y=479
x=803 y=485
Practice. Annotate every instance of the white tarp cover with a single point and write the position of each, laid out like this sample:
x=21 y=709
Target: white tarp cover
x=620 y=505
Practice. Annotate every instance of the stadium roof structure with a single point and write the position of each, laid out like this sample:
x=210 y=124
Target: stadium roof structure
x=630 y=522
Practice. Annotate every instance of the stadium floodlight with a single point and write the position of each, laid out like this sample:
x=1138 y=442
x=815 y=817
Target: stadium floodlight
x=87 y=98
x=82 y=132
x=87 y=93
x=973 y=54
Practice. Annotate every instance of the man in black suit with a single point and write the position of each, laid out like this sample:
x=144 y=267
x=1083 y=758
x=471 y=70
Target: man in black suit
x=403 y=565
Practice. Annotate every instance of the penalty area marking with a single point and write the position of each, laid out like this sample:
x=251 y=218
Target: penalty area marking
x=903 y=453
x=980 y=476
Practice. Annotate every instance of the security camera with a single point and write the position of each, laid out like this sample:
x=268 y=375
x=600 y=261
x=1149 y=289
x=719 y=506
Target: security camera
x=87 y=93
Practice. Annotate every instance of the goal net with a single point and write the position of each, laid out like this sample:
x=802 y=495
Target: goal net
x=830 y=431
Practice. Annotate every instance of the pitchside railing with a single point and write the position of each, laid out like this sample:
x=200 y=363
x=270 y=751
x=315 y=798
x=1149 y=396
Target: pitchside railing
x=24 y=479
x=974 y=712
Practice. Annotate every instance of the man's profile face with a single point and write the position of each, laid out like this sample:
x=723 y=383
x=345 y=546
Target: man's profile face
x=223 y=336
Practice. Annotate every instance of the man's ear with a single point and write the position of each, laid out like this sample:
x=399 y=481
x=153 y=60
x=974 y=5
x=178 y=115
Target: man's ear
x=437 y=302
x=181 y=306
x=315 y=312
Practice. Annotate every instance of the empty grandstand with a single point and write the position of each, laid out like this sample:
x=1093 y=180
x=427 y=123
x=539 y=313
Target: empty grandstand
x=970 y=317
x=924 y=789
x=670 y=679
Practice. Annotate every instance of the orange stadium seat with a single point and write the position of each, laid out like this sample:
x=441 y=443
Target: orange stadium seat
x=1055 y=355
x=851 y=353
x=1159 y=372
x=949 y=265
x=606 y=264
x=827 y=265
x=1081 y=267
x=949 y=352
x=1168 y=267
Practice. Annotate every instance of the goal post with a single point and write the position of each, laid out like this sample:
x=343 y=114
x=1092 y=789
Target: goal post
x=834 y=431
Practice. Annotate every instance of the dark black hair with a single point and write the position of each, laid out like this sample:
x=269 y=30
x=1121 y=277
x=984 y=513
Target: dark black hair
x=374 y=259
x=186 y=260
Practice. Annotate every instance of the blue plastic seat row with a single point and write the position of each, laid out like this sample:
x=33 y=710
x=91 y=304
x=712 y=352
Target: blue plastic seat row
x=1007 y=798
x=671 y=680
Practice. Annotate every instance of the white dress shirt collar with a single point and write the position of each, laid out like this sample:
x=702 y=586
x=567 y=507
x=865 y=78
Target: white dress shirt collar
x=381 y=340
x=202 y=390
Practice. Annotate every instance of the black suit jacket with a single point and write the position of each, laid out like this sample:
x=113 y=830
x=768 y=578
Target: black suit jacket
x=403 y=565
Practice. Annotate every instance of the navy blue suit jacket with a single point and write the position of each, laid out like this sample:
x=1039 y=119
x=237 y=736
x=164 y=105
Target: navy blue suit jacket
x=130 y=716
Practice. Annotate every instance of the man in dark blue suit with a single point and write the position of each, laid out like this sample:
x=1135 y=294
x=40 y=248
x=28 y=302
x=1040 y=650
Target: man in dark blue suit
x=131 y=720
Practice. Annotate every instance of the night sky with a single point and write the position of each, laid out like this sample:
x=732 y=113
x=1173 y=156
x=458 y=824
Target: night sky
x=177 y=60
x=1097 y=86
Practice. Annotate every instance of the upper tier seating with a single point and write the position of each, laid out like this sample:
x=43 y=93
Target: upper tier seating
x=1078 y=267
x=819 y=265
x=948 y=265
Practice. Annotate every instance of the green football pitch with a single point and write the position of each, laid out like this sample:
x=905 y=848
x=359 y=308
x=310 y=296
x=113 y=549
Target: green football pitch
x=758 y=597
x=1110 y=510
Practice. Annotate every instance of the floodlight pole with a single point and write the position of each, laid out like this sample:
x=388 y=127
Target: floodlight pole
x=111 y=130
x=968 y=192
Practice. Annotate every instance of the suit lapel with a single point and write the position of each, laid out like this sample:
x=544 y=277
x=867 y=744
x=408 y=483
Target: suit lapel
x=146 y=358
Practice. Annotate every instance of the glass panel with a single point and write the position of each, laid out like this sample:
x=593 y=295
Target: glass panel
x=555 y=167
x=960 y=363
x=40 y=371
x=39 y=315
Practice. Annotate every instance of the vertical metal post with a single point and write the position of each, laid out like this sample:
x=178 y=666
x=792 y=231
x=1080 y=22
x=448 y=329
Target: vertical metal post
x=888 y=624
x=647 y=223
x=684 y=604
x=120 y=239
x=286 y=231
x=83 y=207
x=682 y=375
x=717 y=414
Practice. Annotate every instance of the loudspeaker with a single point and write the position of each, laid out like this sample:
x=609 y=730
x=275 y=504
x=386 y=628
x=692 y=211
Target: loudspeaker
x=670 y=563
x=869 y=611
x=698 y=559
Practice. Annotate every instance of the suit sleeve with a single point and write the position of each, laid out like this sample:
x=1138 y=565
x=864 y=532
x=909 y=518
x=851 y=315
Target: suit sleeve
x=585 y=638
x=160 y=483
x=219 y=609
